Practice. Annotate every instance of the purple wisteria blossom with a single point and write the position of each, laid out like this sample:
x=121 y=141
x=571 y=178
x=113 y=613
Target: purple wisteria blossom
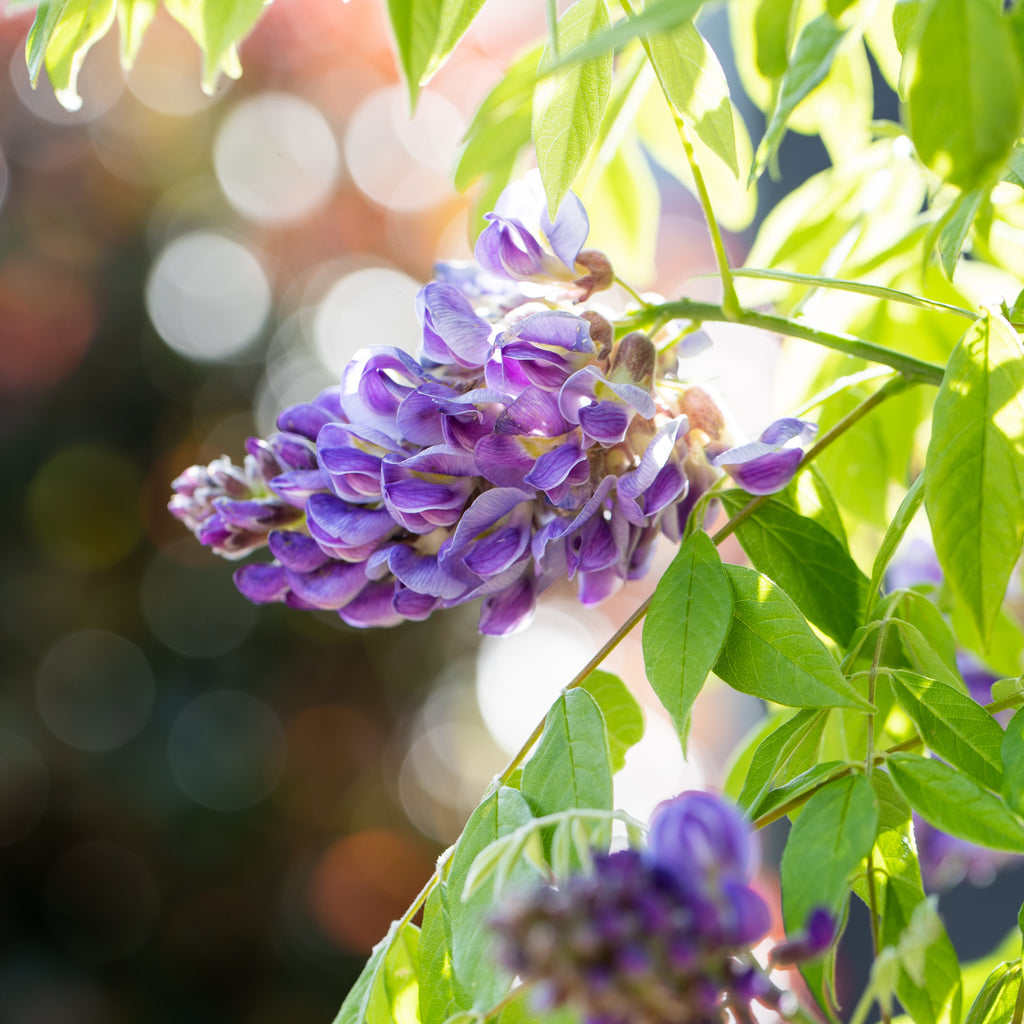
x=524 y=445
x=659 y=934
x=766 y=465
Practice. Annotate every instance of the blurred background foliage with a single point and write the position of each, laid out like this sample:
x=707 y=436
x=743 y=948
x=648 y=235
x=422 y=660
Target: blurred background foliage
x=210 y=811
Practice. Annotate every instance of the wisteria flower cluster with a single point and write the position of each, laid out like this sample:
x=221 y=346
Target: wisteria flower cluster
x=657 y=935
x=527 y=443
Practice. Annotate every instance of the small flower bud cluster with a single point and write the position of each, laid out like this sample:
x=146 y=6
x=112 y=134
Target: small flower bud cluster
x=525 y=445
x=659 y=936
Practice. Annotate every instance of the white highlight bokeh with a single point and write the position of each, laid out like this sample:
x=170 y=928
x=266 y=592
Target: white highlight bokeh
x=208 y=296
x=403 y=162
x=276 y=158
x=371 y=306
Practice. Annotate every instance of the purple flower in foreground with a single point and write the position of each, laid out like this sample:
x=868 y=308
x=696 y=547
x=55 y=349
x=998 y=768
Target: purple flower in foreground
x=660 y=934
x=521 y=241
x=766 y=465
x=526 y=445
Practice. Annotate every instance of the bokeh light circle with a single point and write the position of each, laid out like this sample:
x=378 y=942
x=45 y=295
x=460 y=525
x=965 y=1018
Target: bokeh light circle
x=24 y=787
x=371 y=306
x=95 y=690
x=365 y=881
x=276 y=158
x=403 y=162
x=208 y=296
x=83 y=506
x=194 y=609
x=102 y=900
x=227 y=750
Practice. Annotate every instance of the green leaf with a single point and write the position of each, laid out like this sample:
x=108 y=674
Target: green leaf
x=686 y=626
x=695 y=85
x=966 y=90
x=623 y=719
x=438 y=998
x=426 y=32
x=771 y=651
x=998 y=997
x=936 y=998
x=809 y=495
x=815 y=50
x=773 y=22
x=134 y=17
x=974 y=470
x=571 y=766
x=658 y=16
x=1014 y=172
x=472 y=955
x=919 y=611
x=807 y=561
x=568 y=106
x=805 y=782
x=356 y=1007
x=48 y=15
x=949 y=800
x=923 y=657
x=893 y=535
x=1013 y=762
x=394 y=996
x=955 y=225
x=832 y=835
x=61 y=36
x=953 y=726
x=217 y=27
x=773 y=756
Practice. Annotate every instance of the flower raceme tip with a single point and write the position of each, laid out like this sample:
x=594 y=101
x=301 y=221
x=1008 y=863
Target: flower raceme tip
x=525 y=444
x=658 y=934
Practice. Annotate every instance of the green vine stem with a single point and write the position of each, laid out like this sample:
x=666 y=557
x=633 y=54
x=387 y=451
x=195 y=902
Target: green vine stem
x=692 y=309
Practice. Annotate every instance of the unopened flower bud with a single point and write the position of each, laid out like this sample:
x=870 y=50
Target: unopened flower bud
x=601 y=332
x=597 y=276
x=633 y=360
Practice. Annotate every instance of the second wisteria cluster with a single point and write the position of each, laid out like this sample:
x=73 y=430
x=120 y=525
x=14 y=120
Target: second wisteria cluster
x=526 y=443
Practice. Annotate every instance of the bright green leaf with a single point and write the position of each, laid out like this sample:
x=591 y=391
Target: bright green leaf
x=394 y=997
x=623 y=719
x=936 y=998
x=998 y=997
x=974 y=472
x=773 y=23
x=134 y=17
x=949 y=800
x=355 y=1008
x=473 y=968
x=571 y=766
x=952 y=725
x=771 y=651
x=773 y=757
x=923 y=657
x=893 y=535
x=815 y=50
x=695 y=85
x=686 y=626
x=438 y=998
x=65 y=39
x=807 y=561
x=568 y=106
x=833 y=834
x=955 y=225
x=1013 y=762
x=966 y=92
